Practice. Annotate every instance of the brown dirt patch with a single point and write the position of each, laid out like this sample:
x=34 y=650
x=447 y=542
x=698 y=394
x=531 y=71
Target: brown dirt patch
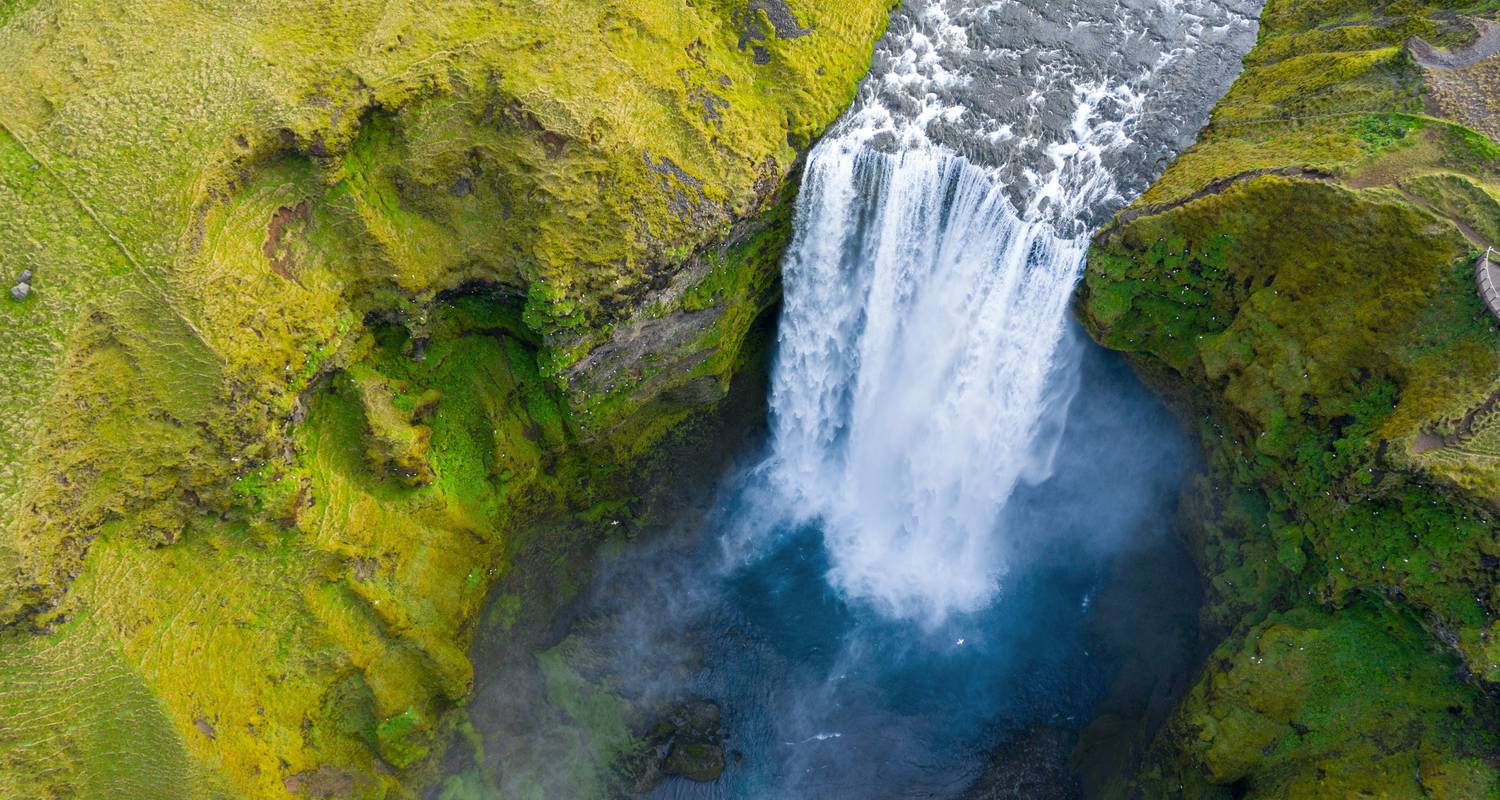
x=280 y=257
x=1463 y=84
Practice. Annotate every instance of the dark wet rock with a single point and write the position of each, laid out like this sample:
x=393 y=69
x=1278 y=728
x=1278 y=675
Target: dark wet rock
x=783 y=21
x=699 y=718
x=697 y=761
x=1031 y=765
x=637 y=348
x=784 y=25
x=20 y=291
x=689 y=743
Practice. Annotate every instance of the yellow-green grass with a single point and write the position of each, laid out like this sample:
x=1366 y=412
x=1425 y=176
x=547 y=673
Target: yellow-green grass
x=258 y=465
x=1300 y=285
x=1274 y=713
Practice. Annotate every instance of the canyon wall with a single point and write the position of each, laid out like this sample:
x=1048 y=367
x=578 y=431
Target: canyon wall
x=1300 y=285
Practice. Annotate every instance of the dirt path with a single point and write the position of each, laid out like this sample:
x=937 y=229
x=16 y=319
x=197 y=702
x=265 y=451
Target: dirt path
x=1463 y=84
x=1488 y=44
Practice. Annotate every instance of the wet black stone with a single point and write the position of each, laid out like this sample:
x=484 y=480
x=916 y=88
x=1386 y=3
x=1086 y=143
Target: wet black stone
x=697 y=761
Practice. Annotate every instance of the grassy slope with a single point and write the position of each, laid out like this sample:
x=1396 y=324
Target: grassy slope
x=1301 y=282
x=256 y=477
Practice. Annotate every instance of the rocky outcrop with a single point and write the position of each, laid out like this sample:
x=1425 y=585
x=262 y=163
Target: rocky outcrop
x=1299 y=285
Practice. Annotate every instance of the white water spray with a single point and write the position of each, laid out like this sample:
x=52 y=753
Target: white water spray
x=920 y=330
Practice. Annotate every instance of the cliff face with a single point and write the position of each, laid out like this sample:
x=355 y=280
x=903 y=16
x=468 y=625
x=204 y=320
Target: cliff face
x=332 y=306
x=1300 y=284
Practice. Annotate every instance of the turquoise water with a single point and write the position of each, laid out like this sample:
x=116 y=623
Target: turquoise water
x=822 y=697
x=952 y=548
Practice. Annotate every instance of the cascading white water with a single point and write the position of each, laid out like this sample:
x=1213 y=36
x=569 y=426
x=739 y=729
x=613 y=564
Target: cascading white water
x=924 y=374
x=921 y=322
x=919 y=379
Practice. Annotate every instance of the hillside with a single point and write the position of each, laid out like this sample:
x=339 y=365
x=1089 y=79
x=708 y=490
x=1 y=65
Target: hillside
x=334 y=309
x=1300 y=285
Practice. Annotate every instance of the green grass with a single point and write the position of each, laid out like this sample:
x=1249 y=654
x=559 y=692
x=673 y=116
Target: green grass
x=1300 y=285
x=76 y=719
x=1274 y=712
x=244 y=220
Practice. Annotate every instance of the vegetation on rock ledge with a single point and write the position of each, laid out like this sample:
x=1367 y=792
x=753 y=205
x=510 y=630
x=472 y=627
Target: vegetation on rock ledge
x=308 y=355
x=1300 y=284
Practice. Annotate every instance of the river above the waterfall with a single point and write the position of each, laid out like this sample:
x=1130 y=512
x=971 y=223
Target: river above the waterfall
x=929 y=573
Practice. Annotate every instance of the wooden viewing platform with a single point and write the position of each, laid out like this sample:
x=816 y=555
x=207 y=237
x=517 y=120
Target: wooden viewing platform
x=1487 y=276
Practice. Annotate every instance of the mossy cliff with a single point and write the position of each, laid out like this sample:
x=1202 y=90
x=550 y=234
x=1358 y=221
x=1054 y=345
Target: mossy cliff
x=335 y=307
x=1300 y=286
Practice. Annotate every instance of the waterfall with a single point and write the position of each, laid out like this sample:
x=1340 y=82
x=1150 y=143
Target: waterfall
x=921 y=377
x=903 y=584
x=910 y=395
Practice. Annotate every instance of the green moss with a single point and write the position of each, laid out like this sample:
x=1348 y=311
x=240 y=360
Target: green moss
x=368 y=583
x=468 y=785
x=1476 y=146
x=310 y=282
x=402 y=738
x=1300 y=284
x=1384 y=132
x=595 y=712
x=1313 y=705
x=1307 y=401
